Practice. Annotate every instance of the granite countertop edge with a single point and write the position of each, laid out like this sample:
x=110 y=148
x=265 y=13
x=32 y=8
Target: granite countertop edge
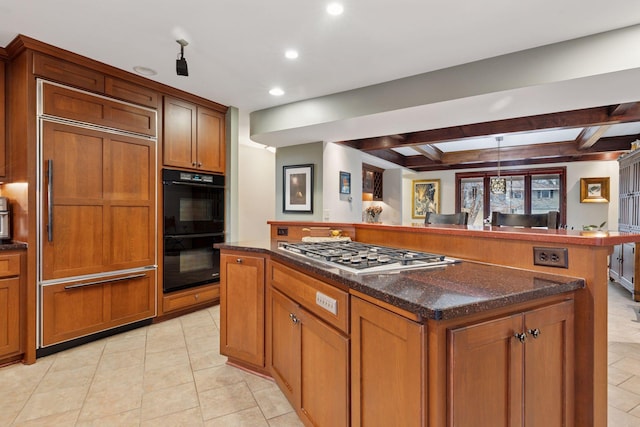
x=411 y=289
x=12 y=246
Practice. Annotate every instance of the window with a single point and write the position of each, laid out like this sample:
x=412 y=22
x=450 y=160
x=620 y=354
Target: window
x=528 y=191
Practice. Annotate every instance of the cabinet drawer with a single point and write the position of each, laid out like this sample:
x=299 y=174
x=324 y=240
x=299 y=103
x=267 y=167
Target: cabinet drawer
x=66 y=72
x=9 y=265
x=304 y=290
x=73 y=310
x=190 y=298
x=131 y=92
x=60 y=101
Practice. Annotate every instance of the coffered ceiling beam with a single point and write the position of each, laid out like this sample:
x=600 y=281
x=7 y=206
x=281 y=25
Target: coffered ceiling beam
x=430 y=152
x=597 y=116
x=590 y=135
x=612 y=155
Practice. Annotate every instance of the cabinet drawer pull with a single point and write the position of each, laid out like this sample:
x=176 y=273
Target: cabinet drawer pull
x=534 y=332
x=100 y=282
x=239 y=260
x=521 y=337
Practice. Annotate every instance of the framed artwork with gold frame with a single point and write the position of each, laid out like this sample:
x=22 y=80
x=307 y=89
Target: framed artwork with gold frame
x=425 y=197
x=594 y=190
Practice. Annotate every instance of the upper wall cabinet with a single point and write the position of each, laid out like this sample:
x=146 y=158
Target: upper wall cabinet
x=194 y=136
x=75 y=75
x=3 y=156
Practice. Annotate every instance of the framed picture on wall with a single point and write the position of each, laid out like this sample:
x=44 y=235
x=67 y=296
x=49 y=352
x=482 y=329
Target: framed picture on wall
x=594 y=190
x=345 y=183
x=297 y=189
x=425 y=197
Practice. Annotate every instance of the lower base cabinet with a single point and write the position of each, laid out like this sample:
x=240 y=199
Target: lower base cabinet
x=513 y=371
x=9 y=317
x=387 y=368
x=74 y=310
x=242 y=294
x=622 y=267
x=309 y=360
x=12 y=306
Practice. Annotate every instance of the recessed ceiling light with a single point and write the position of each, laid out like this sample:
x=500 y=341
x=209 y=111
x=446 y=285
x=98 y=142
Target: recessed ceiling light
x=291 y=54
x=145 y=71
x=276 y=91
x=335 y=9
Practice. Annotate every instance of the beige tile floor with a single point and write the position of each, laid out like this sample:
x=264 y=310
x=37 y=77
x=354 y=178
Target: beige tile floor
x=171 y=374
x=167 y=374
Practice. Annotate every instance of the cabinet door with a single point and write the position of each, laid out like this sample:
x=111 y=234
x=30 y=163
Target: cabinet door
x=548 y=360
x=179 y=141
x=242 y=308
x=3 y=155
x=61 y=101
x=9 y=316
x=72 y=310
x=284 y=357
x=485 y=374
x=324 y=354
x=387 y=368
x=101 y=214
x=628 y=263
x=210 y=141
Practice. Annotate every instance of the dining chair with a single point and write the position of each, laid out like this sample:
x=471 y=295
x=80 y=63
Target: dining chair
x=549 y=220
x=460 y=218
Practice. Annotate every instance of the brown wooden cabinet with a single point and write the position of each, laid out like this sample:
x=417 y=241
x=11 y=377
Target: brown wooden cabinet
x=387 y=368
x=516 y=370
x=72 y=310
x=242 y=297
x=194 y=136
x=308 y=358
x=67 y=72
x=11 y=307
x=309 y=361
x=3 y=148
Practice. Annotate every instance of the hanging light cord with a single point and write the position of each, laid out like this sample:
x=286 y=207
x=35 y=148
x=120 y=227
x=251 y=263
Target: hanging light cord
x=498 y=139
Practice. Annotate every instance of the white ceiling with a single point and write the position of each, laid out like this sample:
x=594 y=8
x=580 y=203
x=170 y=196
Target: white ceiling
x=236 y=47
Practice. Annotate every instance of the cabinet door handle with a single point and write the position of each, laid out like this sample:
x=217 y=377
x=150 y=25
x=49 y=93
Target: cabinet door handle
x=294 y=319
x=50 y=200
x=521 y=337
x=101 y=282
x=239 y=260
x=534 y=332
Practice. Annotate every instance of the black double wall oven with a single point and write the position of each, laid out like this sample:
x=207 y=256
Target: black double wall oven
x=193 y=222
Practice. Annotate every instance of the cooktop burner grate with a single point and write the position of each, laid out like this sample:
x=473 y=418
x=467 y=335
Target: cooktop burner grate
x=363 y=257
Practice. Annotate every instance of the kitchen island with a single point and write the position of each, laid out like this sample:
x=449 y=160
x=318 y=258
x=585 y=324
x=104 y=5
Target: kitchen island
x=402 y=347
x=587 y=255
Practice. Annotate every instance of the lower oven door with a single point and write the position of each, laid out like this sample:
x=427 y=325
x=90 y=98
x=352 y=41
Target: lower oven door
x=190 y=260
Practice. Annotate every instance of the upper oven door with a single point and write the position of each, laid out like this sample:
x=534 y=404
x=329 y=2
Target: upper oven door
x=193 y=206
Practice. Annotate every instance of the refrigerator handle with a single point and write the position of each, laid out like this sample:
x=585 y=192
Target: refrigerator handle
x=50 y=200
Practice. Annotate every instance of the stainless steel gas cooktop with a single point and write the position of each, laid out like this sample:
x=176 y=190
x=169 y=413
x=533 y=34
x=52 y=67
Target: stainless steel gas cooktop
x=360 y=258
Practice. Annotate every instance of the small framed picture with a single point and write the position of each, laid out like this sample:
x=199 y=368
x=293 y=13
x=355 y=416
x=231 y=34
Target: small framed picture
x=594 y=190
x=425 y=197
x=297 y=189
x=345 y=183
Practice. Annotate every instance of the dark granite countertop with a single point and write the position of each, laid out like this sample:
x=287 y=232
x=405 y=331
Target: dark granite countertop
x=437 y=292
x=12 y=246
